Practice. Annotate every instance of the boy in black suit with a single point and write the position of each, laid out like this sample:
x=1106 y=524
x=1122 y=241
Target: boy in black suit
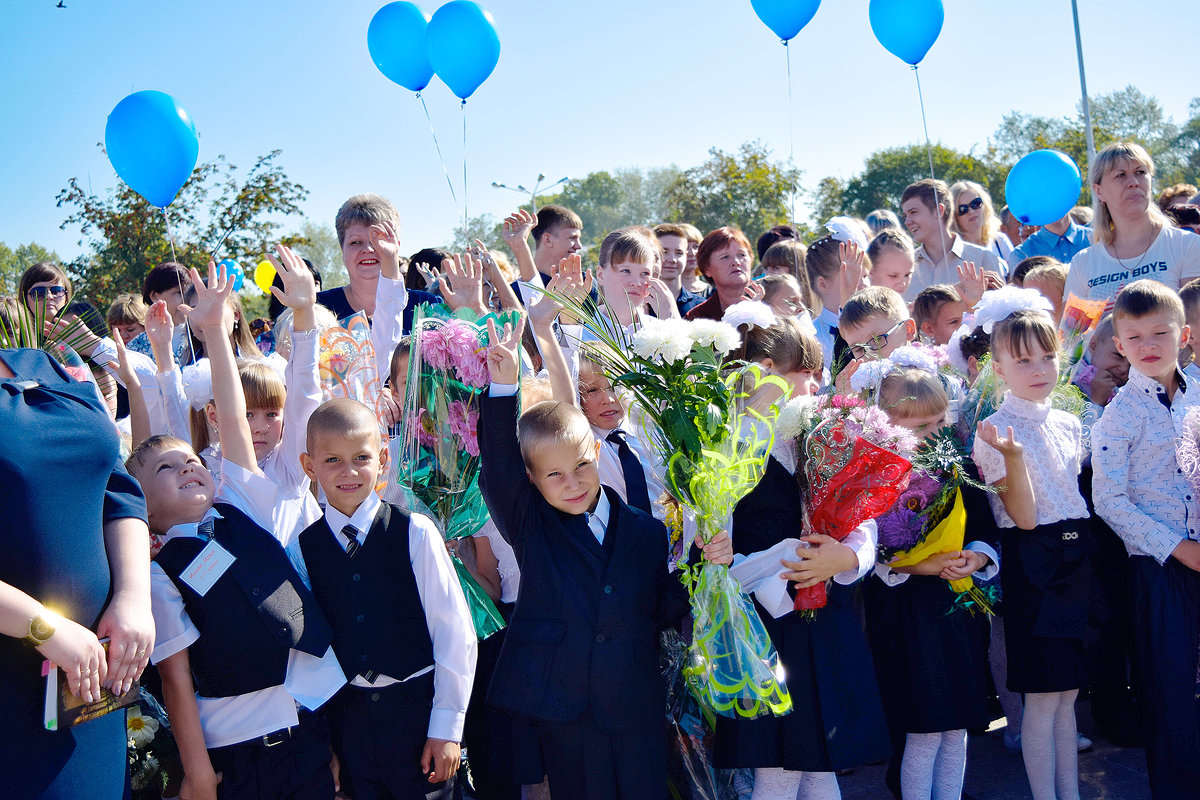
x=581 y=657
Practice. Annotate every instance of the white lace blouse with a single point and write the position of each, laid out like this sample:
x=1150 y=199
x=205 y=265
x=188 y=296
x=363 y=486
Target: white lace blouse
x=1053 y=454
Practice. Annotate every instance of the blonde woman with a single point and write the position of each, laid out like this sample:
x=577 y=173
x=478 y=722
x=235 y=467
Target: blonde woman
x=975 y=219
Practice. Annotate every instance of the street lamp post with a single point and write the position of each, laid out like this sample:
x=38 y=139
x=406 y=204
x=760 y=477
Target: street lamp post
x=537 y=188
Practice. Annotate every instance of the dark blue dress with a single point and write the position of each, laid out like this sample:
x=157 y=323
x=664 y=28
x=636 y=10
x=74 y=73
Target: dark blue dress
x=61 y=479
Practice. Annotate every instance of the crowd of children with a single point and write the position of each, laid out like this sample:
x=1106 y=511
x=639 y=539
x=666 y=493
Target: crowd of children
x=312 y=637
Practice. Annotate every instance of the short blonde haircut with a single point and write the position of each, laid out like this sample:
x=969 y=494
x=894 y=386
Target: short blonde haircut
x=1103 y=228
x=127 y=309
x=874 y=301
x=1053 y=273
x=550 y=421
x=912 y=392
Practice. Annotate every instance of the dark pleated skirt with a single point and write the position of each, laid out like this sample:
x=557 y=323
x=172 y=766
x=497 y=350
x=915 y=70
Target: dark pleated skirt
x=837 y=720
x=925 y=655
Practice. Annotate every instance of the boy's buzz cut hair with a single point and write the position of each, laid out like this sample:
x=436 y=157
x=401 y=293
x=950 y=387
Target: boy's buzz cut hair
x=155 y=444
x=1147 y=296
x=930 y=301
x=340 y=417
x=550 y=421
x=930 y=192
x=369 y=209
x=1190 y=295
x=670 y=229
x=551 y=218
x=874 y=301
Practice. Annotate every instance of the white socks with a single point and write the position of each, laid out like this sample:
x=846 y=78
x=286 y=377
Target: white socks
x=934 y=765
x=1049 y=745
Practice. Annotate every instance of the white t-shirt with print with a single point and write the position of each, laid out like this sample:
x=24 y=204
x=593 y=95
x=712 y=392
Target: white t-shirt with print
x=1173 y=259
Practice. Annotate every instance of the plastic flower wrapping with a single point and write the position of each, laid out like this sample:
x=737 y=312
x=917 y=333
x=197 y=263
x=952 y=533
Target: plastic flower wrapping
x=347 y=363
x=855 y=469
x=155 y=768
x=1079 y=319
x=691 y=401
x=929 y=517
x=438 y=473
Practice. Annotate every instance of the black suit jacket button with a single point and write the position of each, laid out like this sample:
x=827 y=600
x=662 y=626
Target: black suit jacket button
x=608 y=589
x=600 y=638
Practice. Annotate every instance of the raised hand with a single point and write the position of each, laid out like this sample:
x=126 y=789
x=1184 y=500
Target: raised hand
x=386 y=243
x=852 y=259
x=462 y=284
x=428 y=273
x=754 y=291
x=972 y=283
x=212 y=311
x=504 y=352
x=662 y=300
x=299 y=289
x=1008 y=446
x=517 y=226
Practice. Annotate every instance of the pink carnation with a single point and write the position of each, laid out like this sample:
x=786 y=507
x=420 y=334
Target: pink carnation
x=464 y=420
x=436 y=349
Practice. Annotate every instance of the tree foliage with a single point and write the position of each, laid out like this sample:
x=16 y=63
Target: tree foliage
x=746 y=189
x=216 y=215
x=14 y=262
x=320 y=246
x=485 y=228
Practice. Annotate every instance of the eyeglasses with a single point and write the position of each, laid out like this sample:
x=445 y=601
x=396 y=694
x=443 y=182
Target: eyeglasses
x=42 y=292
x=874 y=344
x=975 y=204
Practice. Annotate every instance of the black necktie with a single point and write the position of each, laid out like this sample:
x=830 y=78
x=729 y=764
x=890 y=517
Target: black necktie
x=206 y=529
x=351 y=533
x=632 y=471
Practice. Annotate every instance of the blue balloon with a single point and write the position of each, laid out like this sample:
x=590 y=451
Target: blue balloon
x=785 y=17
x=907 y=28
x=151 y=143
x=1042 y=187
x=234 y=272
x=463 y=46
x=396 y=42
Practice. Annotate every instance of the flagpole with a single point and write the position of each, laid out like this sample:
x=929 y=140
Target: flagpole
x=1087 y=113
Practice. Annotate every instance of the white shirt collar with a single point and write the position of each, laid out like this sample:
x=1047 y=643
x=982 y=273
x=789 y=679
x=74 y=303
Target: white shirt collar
x=597 y=520
x=189 y=528
x=362 y=519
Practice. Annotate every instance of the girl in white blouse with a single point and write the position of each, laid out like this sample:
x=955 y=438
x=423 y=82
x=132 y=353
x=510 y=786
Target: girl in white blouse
x=1035 y=465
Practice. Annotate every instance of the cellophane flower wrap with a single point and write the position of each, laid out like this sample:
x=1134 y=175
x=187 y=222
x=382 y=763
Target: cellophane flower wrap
x=854 y=471
x=438 y=471
x=691 y=401
x=929 y=517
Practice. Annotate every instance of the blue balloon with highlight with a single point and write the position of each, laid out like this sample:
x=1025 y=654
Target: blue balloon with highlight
x=907 y=28
x=785 y=18
x=462 y=46
x=1042 y=187
x=396 y=42
x=151 y=143
x=233 y=272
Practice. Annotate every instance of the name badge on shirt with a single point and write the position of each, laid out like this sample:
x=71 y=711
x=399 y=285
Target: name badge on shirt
x=207 y=567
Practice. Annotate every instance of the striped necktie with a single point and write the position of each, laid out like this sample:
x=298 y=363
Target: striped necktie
x=351 y=533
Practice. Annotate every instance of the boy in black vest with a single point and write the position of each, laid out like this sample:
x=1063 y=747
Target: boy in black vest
x=581 y=657
x=401 y=627
x=241 y=645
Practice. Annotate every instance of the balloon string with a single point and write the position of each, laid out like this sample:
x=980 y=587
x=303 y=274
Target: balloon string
x=466 y=217
x=179 y=282
x=787 y=51
x=170 y=237
x=929 y=150
x=438 y=147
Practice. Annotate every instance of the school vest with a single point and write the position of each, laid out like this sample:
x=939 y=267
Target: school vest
x=371 y=600
x=252 y=616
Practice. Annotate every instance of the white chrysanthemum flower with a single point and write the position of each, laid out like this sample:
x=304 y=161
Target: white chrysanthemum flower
x=869 y=374
x=754 y=313
x=721 y=336
x=795 y=417
x=140 y=729
x=999 y=303
x=909 y=356
x=668 y=340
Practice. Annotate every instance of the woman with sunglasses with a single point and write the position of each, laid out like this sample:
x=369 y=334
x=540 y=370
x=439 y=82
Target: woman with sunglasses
x=45 y=292
x=975 y=218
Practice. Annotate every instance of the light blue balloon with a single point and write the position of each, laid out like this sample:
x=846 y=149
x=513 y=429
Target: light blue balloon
x=234 y=272
x=1042 y=187
x=151 y=143
x=907 y=28
x=396 y=42
x=462 y=46
x=785 y=17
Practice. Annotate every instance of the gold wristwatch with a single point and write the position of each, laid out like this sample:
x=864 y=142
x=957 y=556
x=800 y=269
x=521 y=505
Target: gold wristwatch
x=40 y=631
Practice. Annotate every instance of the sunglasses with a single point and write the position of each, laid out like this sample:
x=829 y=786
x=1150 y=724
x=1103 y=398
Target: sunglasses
x=42 y=292
x=975 y=204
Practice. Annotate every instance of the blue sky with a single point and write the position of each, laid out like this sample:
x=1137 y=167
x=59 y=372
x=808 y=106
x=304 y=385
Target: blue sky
x=579 y=87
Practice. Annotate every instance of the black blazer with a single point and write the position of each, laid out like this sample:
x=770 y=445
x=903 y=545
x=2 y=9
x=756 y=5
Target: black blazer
x=584 y=634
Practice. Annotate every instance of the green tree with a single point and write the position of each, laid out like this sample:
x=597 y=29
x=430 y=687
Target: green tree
x=13 y=263
x=485 y=228
x=746 y=189
x=887 y=172
x=597 y=199
x=320 y=246
x=216 y=214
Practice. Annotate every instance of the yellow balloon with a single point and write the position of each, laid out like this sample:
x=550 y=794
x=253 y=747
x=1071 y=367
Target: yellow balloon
x=264 y=274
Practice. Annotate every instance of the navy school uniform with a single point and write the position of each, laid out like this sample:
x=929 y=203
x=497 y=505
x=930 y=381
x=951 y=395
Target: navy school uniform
x=580 y=660
x=403 y=635
x=837 y=718
x=258 y=645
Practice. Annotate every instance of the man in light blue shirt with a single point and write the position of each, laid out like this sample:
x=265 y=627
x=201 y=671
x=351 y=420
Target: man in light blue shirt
x=1060 y=240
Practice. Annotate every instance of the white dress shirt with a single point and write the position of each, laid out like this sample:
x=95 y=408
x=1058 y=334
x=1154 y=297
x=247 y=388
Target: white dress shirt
x=446 y=614
x=309 y=681
x=927 y=272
